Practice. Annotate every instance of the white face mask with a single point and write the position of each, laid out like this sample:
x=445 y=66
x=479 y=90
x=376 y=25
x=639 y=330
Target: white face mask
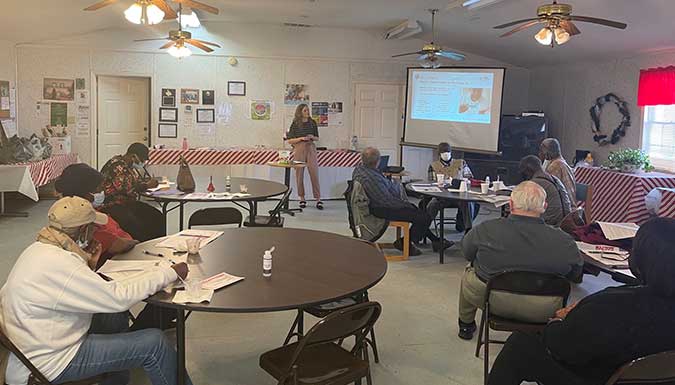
x=446 y=156
x=99 y=198
x=82 y=244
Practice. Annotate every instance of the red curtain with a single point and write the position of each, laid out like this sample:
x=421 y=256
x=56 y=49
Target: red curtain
x=657 y=86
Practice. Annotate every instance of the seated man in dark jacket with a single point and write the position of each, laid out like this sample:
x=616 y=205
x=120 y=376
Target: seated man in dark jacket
x=558 y=202
x=588 y=342
x=520 y=242
x=388 y=201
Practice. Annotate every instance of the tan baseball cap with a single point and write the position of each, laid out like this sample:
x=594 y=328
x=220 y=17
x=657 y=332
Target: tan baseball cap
x=73 y=212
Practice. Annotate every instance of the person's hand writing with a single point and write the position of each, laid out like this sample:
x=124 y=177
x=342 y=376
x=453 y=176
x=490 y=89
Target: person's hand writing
x=95 y=249
x=181 y=269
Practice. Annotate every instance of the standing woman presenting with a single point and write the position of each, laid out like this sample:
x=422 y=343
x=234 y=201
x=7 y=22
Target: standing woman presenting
x=301 y=135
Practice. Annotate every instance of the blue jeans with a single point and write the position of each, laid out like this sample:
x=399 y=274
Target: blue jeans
x=109 y=349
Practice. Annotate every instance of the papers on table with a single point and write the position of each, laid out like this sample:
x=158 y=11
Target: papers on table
x=497 y=200
x=426 y=188
x=161 y=186
x=215 y=196
x=117 y=270
x=614 y=231
x=178 y=241
x=181 y=296
x=610 y=256
x=220 y=280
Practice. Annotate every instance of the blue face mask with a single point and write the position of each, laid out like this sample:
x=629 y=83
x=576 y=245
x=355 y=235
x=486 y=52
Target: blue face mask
x=139 y=166
x=99 y=198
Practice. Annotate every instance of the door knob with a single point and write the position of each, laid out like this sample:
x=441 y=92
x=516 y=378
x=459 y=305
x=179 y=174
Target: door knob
x=145 y=129
x=145 y=138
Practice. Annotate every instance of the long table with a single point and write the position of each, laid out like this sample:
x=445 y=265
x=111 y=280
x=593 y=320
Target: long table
x=26 y=178
x=620 y=197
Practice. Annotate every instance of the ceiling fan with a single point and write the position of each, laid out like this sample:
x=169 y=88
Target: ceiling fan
x=558 y=24
x=178 y=40
x=431 y=52
x=153 y=11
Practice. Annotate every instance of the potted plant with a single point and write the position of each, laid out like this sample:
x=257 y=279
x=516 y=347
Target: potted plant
x=629 y=160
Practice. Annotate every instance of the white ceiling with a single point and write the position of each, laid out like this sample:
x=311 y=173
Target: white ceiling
x=650 y=23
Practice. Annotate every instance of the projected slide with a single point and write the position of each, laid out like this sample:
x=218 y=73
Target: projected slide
x=464 y=97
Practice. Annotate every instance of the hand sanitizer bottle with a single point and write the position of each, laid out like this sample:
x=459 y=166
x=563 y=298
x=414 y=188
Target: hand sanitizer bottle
x=267 y=263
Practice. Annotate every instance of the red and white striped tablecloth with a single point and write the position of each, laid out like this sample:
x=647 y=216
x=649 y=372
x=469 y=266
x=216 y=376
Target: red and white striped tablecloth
x=667 y=205
x=45 y=171
x=326 y=158
x=620 y=197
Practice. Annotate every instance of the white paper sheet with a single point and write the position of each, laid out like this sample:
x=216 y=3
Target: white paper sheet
x=205 y=295
x=607 y=251
x=614 y=231
x=117 y=266
x=426 y=188
x=220 y=280
x=177 y=241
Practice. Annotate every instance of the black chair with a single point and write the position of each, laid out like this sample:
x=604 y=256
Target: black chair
x=657 y=368
x=274 y=219
x=585 y=194
x=36 y=377
x=213 y=216
x=518 y=283
x=317 y=360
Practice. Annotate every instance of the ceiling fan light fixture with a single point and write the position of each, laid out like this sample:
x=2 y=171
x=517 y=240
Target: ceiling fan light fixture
x=561 y=36
x=179 y=51
x=142 y=13
x=544 y=36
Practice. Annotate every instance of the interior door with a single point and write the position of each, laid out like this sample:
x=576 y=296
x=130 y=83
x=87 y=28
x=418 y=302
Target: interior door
x=123 y=114
x=377 y=118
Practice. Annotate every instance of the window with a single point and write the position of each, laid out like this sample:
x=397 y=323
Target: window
x=658 y=136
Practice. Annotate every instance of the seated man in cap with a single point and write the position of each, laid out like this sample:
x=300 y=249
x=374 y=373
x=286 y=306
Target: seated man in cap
x=125 y=177
x=67 y=320
x=558 y=202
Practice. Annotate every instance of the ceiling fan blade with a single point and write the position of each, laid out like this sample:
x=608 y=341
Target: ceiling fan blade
x=198 y=45
x=99 y=5
x=207 y=43
x=522 y=27
x=197 y=5
x=568 y=26
x=451 y=55
x=411 y=53
x=159 y=38
x=514 y=23
x=169 y=13
x=168 y=45
x=595 y=20
x=423 y=57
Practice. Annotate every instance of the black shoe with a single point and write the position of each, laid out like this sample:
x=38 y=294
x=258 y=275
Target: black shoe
x=436 y=245
x=413 y=250
x=466 y=330
x=302 y=204
x=319 y=205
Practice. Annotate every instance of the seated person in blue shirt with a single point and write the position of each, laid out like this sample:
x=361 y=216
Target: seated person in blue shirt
x=388 y=201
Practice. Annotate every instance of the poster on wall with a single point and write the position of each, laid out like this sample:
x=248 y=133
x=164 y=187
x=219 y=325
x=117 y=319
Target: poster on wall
x=208 y=97
x=58 y=89
x=320 y=113
x=168 y=97
x=4 y=99
x=261 y=109
x=168 y=130
x=189 y=96
x=58 y=114
x=10 y=128
x=335 y=114
x=224 y=113
x=206 y=115
x=296 y=94
x=80 y=84
x=168 y=114
x=82 y=127
x=82 y=97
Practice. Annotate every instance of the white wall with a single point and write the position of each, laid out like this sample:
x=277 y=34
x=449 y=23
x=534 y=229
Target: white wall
x=328 y=60
x=8 y=62
x=567 y=92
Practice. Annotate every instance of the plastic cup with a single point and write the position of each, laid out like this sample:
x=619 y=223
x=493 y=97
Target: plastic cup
x=243 y=188
x=484 y=187
x=193 y=245
x=193 y=288
x=440 y=179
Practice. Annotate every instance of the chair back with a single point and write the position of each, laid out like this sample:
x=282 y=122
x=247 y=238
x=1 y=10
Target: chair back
x=37 y=376
x=573 y=220
x=585 y=195
x=275 y=213
x=654 y=369
x=353 y=320
x=215 y=216
x=530 y=283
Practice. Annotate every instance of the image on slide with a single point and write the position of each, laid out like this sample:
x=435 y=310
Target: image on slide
x=475 y=101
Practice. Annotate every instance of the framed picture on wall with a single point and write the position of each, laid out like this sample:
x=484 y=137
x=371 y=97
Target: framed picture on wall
x=208 y=97
x=236 y=88
x=168 y=114
x=206 y=115
x=58 y=89
x=189 y=96
x=168 y=97
x=168 y=130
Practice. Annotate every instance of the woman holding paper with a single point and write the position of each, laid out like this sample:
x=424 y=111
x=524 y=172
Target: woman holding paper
x=301 y=135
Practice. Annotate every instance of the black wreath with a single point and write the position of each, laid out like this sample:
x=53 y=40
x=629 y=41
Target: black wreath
x=618 y=132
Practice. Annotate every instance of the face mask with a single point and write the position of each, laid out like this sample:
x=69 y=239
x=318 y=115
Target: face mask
x=82 y=244
x=138 y=166
x=99 y=198
x=446 y=156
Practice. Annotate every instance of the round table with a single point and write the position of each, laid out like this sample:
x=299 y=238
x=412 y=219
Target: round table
x=462 y=198
x=309 y=268
x=258 y=190
x=297 y=165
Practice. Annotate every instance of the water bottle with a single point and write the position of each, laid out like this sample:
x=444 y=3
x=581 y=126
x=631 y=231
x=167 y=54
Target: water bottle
x=487 y=180
x=228 y=183
x=185 y=144
x=430 y=174
x=267 y=263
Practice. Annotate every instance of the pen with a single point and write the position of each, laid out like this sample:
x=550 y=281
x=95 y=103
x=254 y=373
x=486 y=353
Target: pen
x=153 y=254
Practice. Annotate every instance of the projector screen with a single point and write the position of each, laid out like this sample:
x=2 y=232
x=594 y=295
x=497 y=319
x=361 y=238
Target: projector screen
x=461 y=106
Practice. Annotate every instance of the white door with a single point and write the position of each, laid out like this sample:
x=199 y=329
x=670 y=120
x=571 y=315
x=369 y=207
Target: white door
x=123 y=114
x=377 y=118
